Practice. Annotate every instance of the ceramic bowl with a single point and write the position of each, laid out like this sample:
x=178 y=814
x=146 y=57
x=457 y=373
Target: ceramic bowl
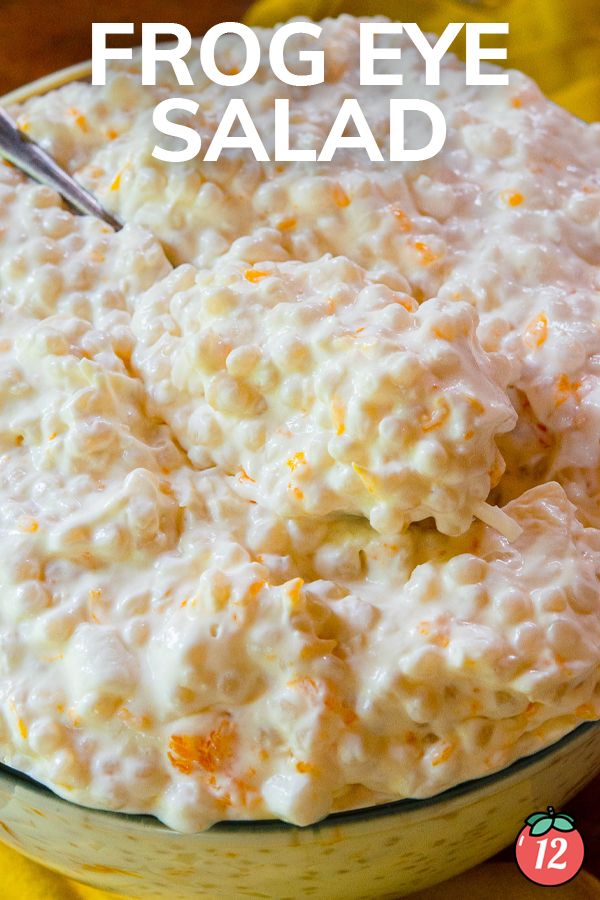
x=383 y=851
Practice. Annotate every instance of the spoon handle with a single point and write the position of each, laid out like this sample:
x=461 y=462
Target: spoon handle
x=29 y=157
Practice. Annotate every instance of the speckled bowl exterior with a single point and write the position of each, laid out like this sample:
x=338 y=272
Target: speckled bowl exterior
x=385 y=851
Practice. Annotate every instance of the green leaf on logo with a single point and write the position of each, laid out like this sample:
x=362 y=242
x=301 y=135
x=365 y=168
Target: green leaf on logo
x=535 y=817
x=563 y=823
x=542 y=826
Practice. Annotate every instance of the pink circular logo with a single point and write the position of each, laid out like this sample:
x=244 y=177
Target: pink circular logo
x=549 y=850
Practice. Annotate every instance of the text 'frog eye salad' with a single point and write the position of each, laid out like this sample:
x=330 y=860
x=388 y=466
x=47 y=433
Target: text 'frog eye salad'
x=299 y=471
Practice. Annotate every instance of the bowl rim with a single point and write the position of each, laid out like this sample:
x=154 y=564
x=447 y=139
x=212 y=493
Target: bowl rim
x=343 y=817
x=39 y=87
x=47 y=83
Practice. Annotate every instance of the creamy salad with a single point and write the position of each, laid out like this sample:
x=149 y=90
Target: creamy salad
x=299 y=471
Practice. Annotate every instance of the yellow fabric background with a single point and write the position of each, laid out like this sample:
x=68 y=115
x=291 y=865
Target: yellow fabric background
x=21 y=879
x=557 y=42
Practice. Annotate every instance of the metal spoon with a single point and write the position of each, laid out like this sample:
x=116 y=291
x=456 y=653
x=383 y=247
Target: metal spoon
x=29 y=157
